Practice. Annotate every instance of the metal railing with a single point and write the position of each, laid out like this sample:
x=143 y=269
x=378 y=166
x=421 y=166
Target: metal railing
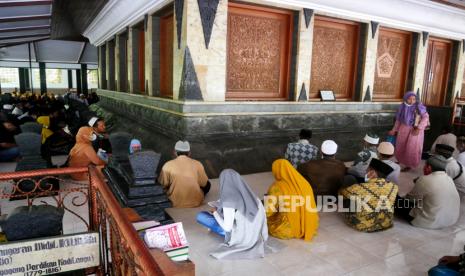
x=123 y=252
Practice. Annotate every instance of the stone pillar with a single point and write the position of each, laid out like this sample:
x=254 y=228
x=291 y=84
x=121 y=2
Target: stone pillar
x=110 y=66
x=70 y=79
x=304 y=55
x=84 y=79
x=78 y=81
x=209 y=64
x=102 y=64
x=22 y=80
x=152 y=54
x=43 y=78
x=419 y=69
x=121 y=66
x=133 y=57
x=371 y=51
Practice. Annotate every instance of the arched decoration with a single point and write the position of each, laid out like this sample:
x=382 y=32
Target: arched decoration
x=303 y=94
x=207 y=10
x=190 y=88
x=178 y=10
x=308 y=13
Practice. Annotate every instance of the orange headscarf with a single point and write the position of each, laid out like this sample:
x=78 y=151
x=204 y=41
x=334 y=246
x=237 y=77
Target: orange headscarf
x=83 y=154
x=304 y=223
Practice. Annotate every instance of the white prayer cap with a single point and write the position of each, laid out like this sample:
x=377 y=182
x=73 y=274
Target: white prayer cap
x=371 y=139
x=386 y=148
x=92 y=121
x=329 y=147
x=7 y=106
x=182 y=146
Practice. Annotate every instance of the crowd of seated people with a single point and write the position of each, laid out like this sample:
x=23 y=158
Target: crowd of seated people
x=58 y=118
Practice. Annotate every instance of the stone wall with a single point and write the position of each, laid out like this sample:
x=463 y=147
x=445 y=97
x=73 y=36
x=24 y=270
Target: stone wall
x=230 y=135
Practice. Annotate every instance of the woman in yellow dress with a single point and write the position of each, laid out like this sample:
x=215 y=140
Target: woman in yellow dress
x=287 y=216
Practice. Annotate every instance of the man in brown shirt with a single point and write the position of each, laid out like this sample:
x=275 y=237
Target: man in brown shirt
x=325 y=175
x=184 y=178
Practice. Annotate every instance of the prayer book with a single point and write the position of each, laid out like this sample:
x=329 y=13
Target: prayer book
x=171 y=239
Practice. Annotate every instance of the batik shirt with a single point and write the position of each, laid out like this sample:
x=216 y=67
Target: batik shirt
x=378 y=212
x=300 y=152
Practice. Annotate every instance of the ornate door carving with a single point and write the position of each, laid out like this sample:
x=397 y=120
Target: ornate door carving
x=334 y=57
x=436 y=71
x=259 y=46
x=391 y=64
x=166 y=56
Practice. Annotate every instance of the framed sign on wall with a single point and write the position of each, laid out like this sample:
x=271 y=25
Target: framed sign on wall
x=327 y=95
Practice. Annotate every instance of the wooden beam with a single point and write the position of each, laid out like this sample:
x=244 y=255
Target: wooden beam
x=21 y=36
x=25 y=3
x=10 y=44
x=27 y=28
x=25 y=18
x=82 y=52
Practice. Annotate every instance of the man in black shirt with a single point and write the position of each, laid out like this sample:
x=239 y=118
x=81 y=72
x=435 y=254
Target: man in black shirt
x=8 y=149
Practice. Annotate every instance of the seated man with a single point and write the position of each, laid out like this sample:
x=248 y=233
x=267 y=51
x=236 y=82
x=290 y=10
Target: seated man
x=301 y=151
x=375 y=200
x=385 y=153
x=9 y=151
x=184 y=178
x=453 y=168
x=100 y=129
x=363 y=159
x=327 y=174
x=449 y=266
x=447 y=138
x=461 y=149
x=440 y=201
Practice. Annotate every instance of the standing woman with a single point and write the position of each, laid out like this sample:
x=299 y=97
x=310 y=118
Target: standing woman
x=411 y=121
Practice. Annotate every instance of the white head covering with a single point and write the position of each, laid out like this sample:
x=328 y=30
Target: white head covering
x=7 y=106
x=92 y=121
x=329 y=147
x=386 y=148
x=17 y=111
x=371 y=139
x=182 y=146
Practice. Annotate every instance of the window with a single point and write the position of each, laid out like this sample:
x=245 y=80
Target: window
x=334 y=57
x=92 y=79
x=9 y=77
x=258 y=56
x=391 y=64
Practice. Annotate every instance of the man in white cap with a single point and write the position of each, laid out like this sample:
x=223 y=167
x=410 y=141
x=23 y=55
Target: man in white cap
x=325 y=175
x=385 y=153
x=184 y=178
x=100 y=129
x=363 y=159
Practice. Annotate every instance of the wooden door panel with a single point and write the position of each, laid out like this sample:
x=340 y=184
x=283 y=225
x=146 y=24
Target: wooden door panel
x=391 y=64
x=166 y=56
x=141 y=61
x=437 y=72
x=335 y=46
x=258 y=54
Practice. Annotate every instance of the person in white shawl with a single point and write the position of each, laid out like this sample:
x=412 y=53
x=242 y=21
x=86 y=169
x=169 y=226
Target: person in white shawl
x=241 y=215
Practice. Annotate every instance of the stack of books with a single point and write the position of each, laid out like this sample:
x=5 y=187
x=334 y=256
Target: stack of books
x=171 y=239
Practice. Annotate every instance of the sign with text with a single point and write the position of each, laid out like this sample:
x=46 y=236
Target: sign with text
x=46 y=256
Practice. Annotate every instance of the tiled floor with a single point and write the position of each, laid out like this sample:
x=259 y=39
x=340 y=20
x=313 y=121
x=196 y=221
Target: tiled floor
x=336 y=250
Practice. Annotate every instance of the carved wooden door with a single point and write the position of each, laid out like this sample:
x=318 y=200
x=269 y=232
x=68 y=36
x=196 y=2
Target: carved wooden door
x=141 y=61
x=334 y=57
x=391 y=64
x=258 y=52
x=436 y=71
x=166 y=56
